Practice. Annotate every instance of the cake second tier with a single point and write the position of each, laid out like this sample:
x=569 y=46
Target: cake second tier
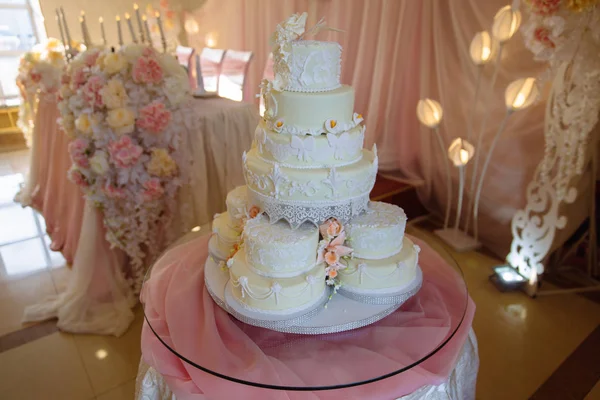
x=298 y=195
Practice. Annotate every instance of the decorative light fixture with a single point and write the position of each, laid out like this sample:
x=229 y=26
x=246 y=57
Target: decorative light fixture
x=518 y=95
x=506 y=23
x=506 y=278
x=211 y=39
x=460 y=153
x=482 y=48
x=430 y=114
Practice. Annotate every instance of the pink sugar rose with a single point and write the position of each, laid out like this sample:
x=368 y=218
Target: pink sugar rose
x=545 y=7
x=90 y=59
x=91 y=91
x=152 y=189
x=124 y=152
x=77 y=177
x=114 y=192
x=154 y=117
x=147 y=70
x=78 y=150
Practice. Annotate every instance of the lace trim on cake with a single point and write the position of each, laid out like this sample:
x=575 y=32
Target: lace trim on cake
x=313 y=90
x=296 y=212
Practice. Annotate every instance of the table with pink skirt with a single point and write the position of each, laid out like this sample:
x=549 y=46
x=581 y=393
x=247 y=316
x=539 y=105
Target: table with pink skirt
x=193 y=349
x=222 y=130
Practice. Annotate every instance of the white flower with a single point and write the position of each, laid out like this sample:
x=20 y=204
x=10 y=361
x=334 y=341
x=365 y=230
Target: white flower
x=114 y=94
x=65 y=91
x=176 y=89
x=68 y=123
x=99 y=162
x=133 y=51
x=83 y=124
x=114 y=63
x=75 y=102
x=296 y=23
x=171 y=66
x=121 y=120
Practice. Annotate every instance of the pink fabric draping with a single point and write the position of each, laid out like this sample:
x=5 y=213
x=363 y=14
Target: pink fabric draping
x=394 y=53
x=181 y=311
x=59 y=200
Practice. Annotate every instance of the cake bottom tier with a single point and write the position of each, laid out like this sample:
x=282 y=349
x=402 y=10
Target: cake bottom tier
x=275 y=295
x=384 y=275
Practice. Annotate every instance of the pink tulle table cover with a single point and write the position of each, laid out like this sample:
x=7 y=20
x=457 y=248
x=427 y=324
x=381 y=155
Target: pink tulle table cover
x=182 y=313
x=58 y=199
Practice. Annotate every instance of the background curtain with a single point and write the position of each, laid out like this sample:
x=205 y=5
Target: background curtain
x=396 y=52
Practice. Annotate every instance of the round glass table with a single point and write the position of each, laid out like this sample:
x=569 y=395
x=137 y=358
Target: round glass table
x=421 y=328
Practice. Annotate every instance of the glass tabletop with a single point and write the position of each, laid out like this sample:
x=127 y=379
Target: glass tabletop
x=408 y=337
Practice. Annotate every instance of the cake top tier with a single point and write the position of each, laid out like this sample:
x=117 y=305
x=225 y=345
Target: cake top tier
x=304 y=65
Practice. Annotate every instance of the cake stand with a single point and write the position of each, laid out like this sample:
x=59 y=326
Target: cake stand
x=182 y=318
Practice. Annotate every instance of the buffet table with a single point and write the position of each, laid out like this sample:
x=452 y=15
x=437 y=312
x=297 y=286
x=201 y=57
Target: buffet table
x=193 y=349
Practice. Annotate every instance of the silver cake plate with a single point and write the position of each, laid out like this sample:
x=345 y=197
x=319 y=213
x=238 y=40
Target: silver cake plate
x=339 y=314
x=385 y=297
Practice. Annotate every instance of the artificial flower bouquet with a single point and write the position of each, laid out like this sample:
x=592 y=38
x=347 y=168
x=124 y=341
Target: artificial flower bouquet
x=123 y=110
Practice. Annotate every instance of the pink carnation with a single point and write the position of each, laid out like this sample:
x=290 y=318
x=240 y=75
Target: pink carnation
x=91 y=91
x=152 y=189
x=149 y=52
x=542 y=35
x=77 y=177
x=36 y=77
x=147 y=70
x=154 y=117
x=545 y=7
x=90 y=59
x=114 y=192
x=78 y=149
x=124 y=152
x=78 y=78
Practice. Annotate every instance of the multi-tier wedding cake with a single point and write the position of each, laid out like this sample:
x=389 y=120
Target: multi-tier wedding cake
x=304 y=222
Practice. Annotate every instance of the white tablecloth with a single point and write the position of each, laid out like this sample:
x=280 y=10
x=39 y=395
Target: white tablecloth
x=225 y=130
x=150 y=385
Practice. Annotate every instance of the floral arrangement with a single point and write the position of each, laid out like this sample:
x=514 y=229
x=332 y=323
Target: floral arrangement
x=561 y=30
x=248 y=214
x=332 y=251
x=124 y=111
x=39 y=72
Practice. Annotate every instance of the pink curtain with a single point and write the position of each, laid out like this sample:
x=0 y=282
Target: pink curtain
x=396 y=52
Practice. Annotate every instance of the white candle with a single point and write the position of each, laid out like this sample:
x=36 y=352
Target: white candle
x=162 y=32
x=130 y=25
x=139 y=21
x=147 y=28
x=62 y=34
x=67 y=33
x=81 y=22
x=119 y=31
x=101 y=20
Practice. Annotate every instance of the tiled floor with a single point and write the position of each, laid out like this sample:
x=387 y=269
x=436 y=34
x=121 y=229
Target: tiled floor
x=522 y=341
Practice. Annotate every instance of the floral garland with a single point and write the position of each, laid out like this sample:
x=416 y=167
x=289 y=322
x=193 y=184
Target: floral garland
x=39 y=72
x=124 y=110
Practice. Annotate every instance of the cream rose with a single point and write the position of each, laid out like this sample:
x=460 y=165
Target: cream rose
x=99 y=162
x=121 y=120
x=114 y=63
x=133 y=51
x=68 y=124
x=176 y=88
x=161 y=163
x=296 y=23
x=114 y=94
x=83 y=124
x=171 y=66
